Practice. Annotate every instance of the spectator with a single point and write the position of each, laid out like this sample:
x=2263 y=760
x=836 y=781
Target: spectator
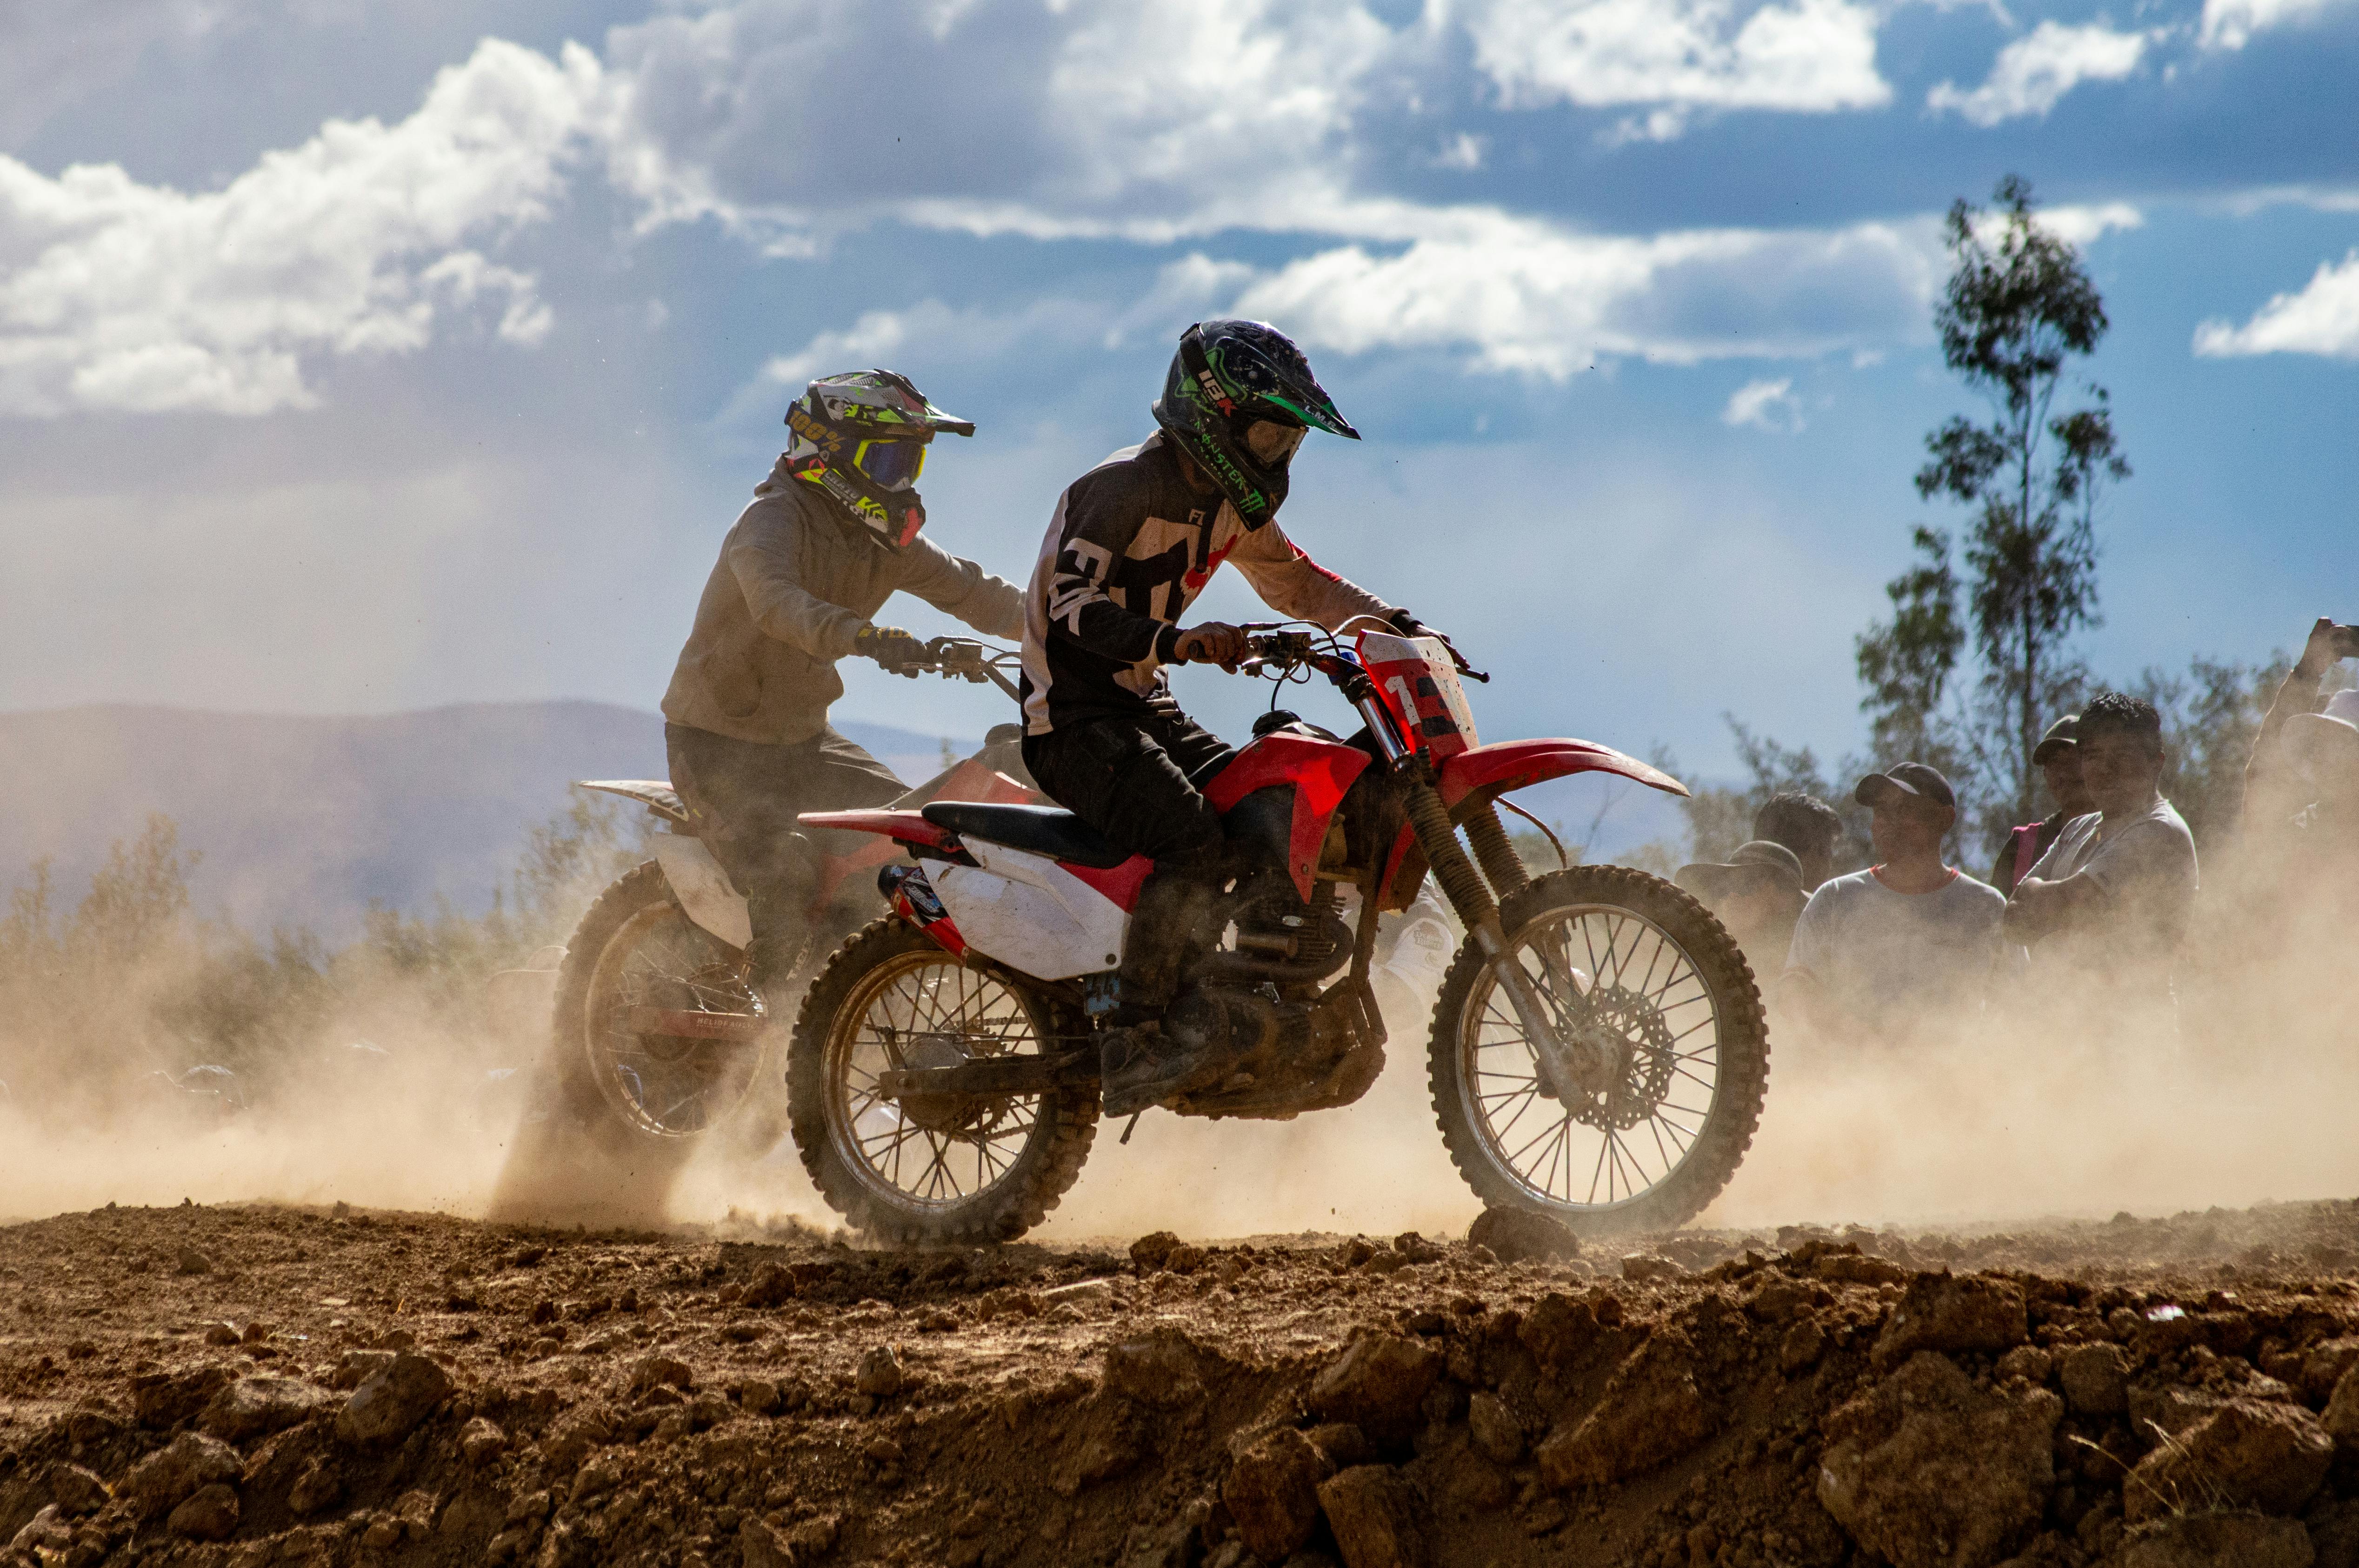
x=1904 y=948
x=2111 y=898
x=2059 y=761
x=1757 y=894
x=2271 y=784
x=1805 y=825
x=2308 y=859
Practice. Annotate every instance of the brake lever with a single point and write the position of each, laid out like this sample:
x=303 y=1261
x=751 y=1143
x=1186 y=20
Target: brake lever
x=1458 y=659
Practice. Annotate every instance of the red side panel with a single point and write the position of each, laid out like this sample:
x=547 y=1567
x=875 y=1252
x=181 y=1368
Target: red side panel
x=943 y=930
x=902 y=826
x=1121 y=883
x=1320 y=771
x=1489 y=771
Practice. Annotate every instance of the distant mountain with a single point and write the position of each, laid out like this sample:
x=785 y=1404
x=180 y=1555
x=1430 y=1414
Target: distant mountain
x=305 y=821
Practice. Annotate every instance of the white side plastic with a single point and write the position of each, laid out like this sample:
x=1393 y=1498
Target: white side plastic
x=703 y=888
x=1031 y=913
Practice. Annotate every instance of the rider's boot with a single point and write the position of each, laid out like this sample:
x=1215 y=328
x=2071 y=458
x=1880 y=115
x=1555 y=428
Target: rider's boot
x=1139 y=1064
x=778 y=912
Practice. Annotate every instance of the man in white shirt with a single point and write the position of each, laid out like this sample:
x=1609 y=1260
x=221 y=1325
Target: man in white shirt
x=1904 y=948
x=2111 y=899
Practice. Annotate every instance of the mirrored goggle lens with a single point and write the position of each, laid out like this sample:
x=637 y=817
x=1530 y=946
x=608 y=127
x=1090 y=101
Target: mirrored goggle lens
x=892 y=464
x=1272 y=443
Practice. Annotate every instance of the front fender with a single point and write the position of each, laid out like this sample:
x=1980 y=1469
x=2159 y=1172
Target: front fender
x=1472 y=778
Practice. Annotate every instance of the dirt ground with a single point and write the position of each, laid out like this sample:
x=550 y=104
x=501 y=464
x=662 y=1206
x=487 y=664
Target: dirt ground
x=250 y=1385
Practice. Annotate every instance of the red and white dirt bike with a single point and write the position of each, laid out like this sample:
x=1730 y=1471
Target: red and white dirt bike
x=1598 y=1051
x=654 y=1028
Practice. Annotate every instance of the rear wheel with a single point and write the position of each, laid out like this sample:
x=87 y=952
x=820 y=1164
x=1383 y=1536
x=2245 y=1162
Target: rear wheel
x=636 y=947
x=1669 y=991
x=966 y=1168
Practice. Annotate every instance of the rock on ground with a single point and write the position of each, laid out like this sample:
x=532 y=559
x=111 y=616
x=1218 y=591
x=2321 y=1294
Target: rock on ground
x=388 y=1407
x=1927 y=1471
x=1519 y=1235
x=256 y=1407
x=1651 y=1412
x=210 y=1514
x=1272 y=1493
x=1378 y=1385
x=168 y=1477
x=1951 y=1315
x=1375 y=1518
x=2218 y=1540
x=1158 y=1368
x=2270 y=1457
x=2096 y=1380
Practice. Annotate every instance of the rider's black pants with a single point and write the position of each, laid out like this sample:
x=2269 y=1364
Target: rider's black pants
x=748 y=794
x=1135 y=780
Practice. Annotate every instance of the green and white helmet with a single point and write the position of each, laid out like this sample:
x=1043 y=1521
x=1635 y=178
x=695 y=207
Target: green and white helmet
x=860 y=437
x=1238 y=400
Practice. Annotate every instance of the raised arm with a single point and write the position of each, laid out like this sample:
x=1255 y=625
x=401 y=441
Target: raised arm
x=2298 y=693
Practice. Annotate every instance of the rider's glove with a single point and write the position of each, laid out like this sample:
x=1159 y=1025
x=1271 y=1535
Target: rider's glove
x=1409 y=625
x=890 y=646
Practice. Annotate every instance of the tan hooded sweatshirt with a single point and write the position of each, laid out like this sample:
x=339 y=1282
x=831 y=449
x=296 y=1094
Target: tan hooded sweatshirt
x=793 y=587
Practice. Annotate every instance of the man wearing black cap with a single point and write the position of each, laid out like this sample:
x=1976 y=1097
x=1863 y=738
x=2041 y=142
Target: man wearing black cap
x=2111 y=899
x=1757 y=894
x=2058 y=758
x=1905 y=948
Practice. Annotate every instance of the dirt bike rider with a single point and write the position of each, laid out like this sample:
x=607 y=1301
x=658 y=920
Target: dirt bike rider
x=830 y=535
x=1131 y=544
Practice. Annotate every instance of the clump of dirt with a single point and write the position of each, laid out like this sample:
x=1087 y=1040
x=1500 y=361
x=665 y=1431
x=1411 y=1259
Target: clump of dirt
x=250 y=1386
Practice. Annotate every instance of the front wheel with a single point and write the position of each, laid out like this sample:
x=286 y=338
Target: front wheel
x=1667 y=988
x=936 y=1168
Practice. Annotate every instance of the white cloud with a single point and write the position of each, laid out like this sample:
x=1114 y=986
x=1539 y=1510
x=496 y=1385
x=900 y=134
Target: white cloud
x=1084 y=119
x=115 y=295
x=2323 y=318
x=1803 y=56
x=2032 y=74
x=2078 y=225
x=1530 y=296
x=1765 y=405
x=2231 y=24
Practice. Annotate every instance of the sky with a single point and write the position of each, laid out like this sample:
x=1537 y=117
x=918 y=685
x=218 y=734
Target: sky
x=364 y=357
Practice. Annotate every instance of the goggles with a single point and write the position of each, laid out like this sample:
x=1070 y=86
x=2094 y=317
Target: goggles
x=1271 y=443
x=891 y=464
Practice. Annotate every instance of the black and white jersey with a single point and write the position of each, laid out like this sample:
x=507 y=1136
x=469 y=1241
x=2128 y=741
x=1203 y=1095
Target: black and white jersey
x=1128 y=550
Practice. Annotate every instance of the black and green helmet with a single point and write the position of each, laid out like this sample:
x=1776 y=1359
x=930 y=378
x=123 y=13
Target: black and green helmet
x=1228 y=378
x=860 y=437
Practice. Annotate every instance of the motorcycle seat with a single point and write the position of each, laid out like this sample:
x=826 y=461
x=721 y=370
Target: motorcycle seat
x=1043 y=830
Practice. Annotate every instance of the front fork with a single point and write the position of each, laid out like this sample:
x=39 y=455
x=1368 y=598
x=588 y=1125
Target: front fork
x=1570 y=1059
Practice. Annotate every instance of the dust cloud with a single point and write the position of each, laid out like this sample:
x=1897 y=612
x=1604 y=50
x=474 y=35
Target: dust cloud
x=2028 y=1120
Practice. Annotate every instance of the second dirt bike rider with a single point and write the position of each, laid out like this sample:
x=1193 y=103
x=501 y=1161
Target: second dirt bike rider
x=1131 y=544
x=831 y=533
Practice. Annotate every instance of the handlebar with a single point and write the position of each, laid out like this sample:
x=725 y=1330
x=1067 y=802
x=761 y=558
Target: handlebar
x=962 y=658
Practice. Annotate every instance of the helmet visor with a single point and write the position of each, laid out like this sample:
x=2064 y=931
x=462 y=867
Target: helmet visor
x=892 y=465
x=1271 y=443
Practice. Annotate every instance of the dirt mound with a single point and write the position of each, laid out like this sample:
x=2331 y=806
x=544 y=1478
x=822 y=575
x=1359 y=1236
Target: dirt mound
x=359 y=1387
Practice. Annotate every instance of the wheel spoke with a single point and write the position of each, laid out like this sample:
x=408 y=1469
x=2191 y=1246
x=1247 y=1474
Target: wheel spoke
x=1646 y=989
x=939 y=1152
